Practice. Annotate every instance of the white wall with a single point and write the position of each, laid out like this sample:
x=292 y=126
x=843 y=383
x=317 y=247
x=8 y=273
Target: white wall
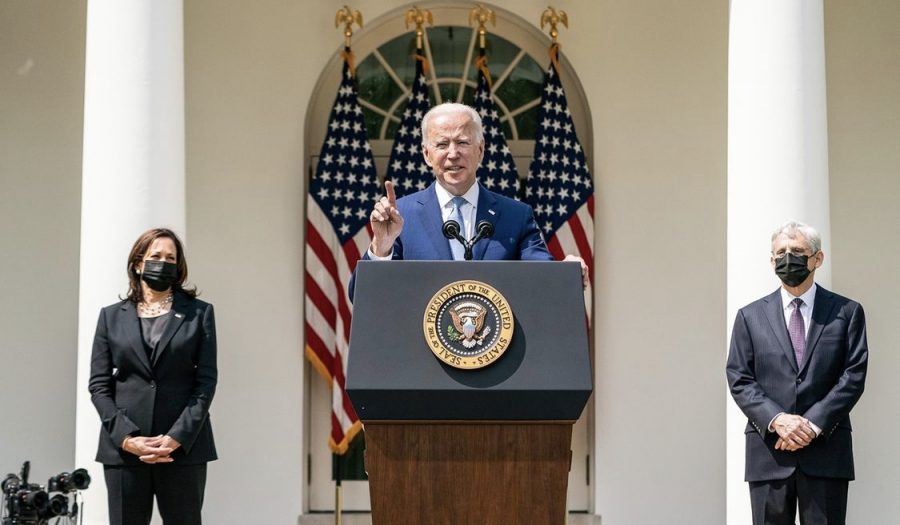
x=863 y=69
x=41 y=92
x=656 y=77
x=250 y=69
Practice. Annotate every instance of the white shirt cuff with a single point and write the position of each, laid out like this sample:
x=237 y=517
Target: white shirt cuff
x=812 y=425
x=374 y=257
x=770 y=428
x=815 y=428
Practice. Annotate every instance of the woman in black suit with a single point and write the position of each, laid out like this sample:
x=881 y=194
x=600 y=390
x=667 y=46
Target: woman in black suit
x=153 y=376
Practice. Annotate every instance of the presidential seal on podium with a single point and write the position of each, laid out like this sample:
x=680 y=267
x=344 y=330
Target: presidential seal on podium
x=468 y=324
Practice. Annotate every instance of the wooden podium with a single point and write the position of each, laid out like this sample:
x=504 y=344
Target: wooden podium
x=451 y=446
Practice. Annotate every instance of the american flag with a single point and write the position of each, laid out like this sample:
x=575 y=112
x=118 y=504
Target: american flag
x=498 y=171
x=407 y=166
x=340 y=197
x=559 y=185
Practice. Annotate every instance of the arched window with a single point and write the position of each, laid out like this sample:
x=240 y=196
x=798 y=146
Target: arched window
x=384 y=77
x=517 y=58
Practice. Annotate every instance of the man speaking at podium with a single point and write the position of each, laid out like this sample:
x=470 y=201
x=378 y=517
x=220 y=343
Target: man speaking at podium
x=412 y=227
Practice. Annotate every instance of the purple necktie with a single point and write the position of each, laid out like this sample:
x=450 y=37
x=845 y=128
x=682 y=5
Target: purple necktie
x=797 y=330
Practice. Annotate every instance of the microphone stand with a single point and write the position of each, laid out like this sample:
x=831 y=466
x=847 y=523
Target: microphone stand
x=451 y=230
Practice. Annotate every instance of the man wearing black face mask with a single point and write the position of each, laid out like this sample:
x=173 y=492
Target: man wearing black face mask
x=796 y=367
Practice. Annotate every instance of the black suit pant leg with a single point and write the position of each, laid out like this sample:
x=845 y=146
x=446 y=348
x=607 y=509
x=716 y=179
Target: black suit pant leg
x=129 y=492
x=821 y=501
x=178 y=490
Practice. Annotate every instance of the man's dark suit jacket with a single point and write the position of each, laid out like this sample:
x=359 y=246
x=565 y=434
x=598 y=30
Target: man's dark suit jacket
x=516 y=234
x=765 y=380
x=170 y=395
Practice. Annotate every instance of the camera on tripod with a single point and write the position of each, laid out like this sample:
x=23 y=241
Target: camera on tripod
x=27 y=503
x=66 y=482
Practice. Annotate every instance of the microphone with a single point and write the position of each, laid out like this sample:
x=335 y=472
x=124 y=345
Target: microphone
x=484 y=230
x=451 y=231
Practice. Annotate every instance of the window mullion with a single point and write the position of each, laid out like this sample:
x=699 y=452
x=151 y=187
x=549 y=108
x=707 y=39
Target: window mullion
x=432 y=71
x=468 y=63
x=509 y=69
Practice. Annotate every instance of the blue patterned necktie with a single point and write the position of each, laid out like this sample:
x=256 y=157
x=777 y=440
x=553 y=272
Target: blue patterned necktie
x=797 y=329
x=456 y=214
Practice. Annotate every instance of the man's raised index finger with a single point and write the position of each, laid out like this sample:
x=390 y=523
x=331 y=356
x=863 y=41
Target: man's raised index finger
x=389 y=190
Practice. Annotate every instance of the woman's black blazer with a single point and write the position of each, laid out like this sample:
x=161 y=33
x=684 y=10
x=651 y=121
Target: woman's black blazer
x=170 y=395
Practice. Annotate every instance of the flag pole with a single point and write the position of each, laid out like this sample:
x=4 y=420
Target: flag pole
x=419 y=17
x=497 y=171
x=338 y=495
x=552 y=17
x=406 y=166
x=348 y=17
x=482 y=15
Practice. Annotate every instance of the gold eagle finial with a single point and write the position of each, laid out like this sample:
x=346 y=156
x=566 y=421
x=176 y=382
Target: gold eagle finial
x=348 y=17
x=552 y=16
x=418 y=16
x=482 y=15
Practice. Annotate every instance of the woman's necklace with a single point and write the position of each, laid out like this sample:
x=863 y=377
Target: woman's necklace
x=155 y=309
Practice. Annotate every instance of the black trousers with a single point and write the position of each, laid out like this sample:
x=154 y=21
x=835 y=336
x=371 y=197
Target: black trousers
x=178 y=490
x=821 y=501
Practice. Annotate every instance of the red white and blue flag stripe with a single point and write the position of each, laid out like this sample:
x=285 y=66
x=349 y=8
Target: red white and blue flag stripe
x=559 y=185
x=341 y=194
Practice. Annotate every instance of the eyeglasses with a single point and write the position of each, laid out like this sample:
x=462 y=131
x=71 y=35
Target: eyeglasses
x=796 y=253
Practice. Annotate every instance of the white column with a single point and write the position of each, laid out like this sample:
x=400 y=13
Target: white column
x=777 y=163
x=133 y=172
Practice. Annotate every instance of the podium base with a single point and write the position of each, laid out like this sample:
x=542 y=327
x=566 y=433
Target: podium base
x=457 y=473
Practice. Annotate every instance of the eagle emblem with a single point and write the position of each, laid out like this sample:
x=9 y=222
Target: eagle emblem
x=468 y=324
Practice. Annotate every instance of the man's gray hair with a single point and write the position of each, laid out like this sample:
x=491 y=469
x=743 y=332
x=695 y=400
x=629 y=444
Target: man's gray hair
x=794 y=228
x=453 y=107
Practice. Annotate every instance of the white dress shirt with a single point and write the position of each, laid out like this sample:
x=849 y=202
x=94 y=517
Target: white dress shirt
x=469 y=213
x=468 y=210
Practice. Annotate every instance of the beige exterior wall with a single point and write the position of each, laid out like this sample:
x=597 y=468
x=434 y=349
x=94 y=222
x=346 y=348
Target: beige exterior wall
x=655 y=78
x=249 y=70
x=863 y=70
x=41 y=94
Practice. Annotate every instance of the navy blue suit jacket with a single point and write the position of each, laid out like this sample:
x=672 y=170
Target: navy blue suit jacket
x=516 y=234
x=765 y=380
